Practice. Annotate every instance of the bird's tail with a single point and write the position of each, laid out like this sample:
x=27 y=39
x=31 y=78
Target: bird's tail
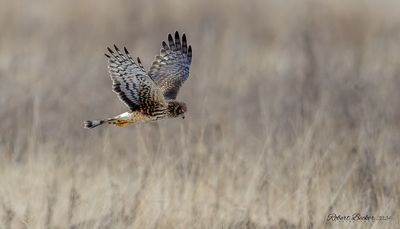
x=89 y=124
x=119 y=120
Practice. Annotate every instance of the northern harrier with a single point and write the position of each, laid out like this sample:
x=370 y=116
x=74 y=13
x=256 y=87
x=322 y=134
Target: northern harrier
x=149 y=95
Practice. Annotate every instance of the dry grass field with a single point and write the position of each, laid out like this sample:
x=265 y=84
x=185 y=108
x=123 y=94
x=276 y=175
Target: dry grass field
x=293 y=115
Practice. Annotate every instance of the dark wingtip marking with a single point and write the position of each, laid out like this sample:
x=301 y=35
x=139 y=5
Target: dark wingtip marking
x=110 y=50
x=190 y=53
x=126 y=50
x=171 y=42
x=177 y=40
x=184 y=44
x=116 y=48
x=138 y=60
x=108 y=56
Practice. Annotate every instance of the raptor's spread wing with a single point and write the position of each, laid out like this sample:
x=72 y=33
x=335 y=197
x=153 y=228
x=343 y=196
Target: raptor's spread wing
x=170 y=69
x=130 y=81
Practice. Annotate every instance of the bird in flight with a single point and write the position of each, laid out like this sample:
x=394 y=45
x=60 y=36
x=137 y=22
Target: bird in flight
x=151 y=95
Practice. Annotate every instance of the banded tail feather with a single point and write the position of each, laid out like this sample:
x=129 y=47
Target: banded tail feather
x=120 y=120
x=89 y=124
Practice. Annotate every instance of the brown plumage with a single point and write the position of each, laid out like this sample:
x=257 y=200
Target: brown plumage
x=149 y=96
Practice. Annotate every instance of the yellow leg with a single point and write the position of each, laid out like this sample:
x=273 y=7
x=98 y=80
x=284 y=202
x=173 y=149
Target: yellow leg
x=121 y=123
x=126 y=119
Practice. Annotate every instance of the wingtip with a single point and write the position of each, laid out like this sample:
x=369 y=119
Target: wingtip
x=165 y=46
x=108 y=56
x=126 y=50
x=177 y=39
x=116 y=48
x=110 y=50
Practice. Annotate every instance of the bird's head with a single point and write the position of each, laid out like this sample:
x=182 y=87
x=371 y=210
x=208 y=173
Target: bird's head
x=177 y=109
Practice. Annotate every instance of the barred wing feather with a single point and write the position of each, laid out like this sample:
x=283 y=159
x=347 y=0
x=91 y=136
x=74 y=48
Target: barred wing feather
x=170 y=69
x=130 y=81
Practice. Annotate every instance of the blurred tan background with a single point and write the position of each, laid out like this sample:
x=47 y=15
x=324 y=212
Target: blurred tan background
x=294 y=112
